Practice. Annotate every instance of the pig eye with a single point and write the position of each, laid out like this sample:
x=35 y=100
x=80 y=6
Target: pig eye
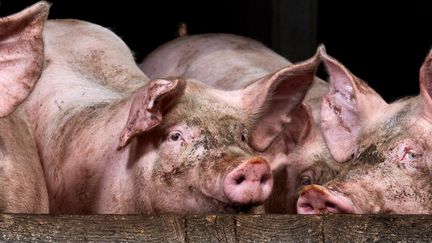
x=411 y=160
x=305 y=180
x=244 y=137
x=410 y=155
x=175 y=136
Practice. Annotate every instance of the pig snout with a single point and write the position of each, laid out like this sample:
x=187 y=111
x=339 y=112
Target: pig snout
x=315 y=199
x=250 y=183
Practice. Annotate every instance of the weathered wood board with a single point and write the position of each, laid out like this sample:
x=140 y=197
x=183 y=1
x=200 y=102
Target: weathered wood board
x=216 y=228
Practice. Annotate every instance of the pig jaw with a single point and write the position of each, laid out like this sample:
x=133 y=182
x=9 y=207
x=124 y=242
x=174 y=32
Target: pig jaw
x=202 y=181
x=197 y=191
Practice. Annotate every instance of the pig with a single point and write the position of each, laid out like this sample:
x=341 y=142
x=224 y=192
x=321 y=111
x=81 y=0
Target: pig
x=113 y=141
x=386 y=148
x=298 y=155
x=22 y=184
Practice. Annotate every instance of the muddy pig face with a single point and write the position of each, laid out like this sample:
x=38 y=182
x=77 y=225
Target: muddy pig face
x=205 y=155
x=202 y=140
x=386 y=148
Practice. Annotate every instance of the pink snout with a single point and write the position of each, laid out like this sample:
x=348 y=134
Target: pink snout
x=250 y=183
x=316 y=199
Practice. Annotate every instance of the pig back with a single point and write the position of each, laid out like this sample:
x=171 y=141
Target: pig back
x=224 y=61
x=92 y=53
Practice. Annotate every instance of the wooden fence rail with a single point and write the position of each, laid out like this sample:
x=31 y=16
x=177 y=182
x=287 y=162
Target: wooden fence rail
x=216 y=228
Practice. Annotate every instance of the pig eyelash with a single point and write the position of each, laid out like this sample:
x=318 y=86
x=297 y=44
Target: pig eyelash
x=305 y=180
x=175 y=136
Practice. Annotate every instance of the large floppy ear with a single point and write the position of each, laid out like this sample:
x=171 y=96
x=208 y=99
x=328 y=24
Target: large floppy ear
x=21 y=55
x=349 y=102
x=148 y=105
x=273 y=98
x=426 y=86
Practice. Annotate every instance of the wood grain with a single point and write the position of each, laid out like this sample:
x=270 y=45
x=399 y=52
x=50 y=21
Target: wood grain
x=216 y=228
x=377 y=228
x=279 y=228
x=105 y=228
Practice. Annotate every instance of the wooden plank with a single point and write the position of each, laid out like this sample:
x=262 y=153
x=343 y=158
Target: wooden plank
x=279 y=228
x=377 y=228
x=105 y=228
x=216 y=228
x=210 y=228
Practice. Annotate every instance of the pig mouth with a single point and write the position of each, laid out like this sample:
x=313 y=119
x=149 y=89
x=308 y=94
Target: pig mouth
x=228 y=207
x=242 y=208
x=237 y=208
x=223 y=206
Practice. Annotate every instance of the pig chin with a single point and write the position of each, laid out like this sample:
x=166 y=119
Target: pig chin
x=237 y=189
x=205 y=204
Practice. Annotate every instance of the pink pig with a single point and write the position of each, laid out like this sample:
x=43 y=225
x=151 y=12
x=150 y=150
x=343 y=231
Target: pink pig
x=297 y=154
x=386 y=148
x=23 y=188
x=113 y=141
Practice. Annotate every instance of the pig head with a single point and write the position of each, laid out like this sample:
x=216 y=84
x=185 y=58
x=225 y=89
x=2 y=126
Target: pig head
x=22 y=184
x=297 y=154
x=385 y=147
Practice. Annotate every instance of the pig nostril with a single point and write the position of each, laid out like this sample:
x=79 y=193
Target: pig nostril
x=307 y=207
x=330 y=205
x=264 y=179
x=240 y=179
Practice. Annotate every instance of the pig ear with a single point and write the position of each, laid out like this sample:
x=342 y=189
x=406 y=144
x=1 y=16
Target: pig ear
x=148 y=105
x=273 y=98
x=21 y=55
x=426 y=86
x=296 y=133
x=300 y=127
x=348 y=102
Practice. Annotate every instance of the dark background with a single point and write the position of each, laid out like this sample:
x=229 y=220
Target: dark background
x=382 y=43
